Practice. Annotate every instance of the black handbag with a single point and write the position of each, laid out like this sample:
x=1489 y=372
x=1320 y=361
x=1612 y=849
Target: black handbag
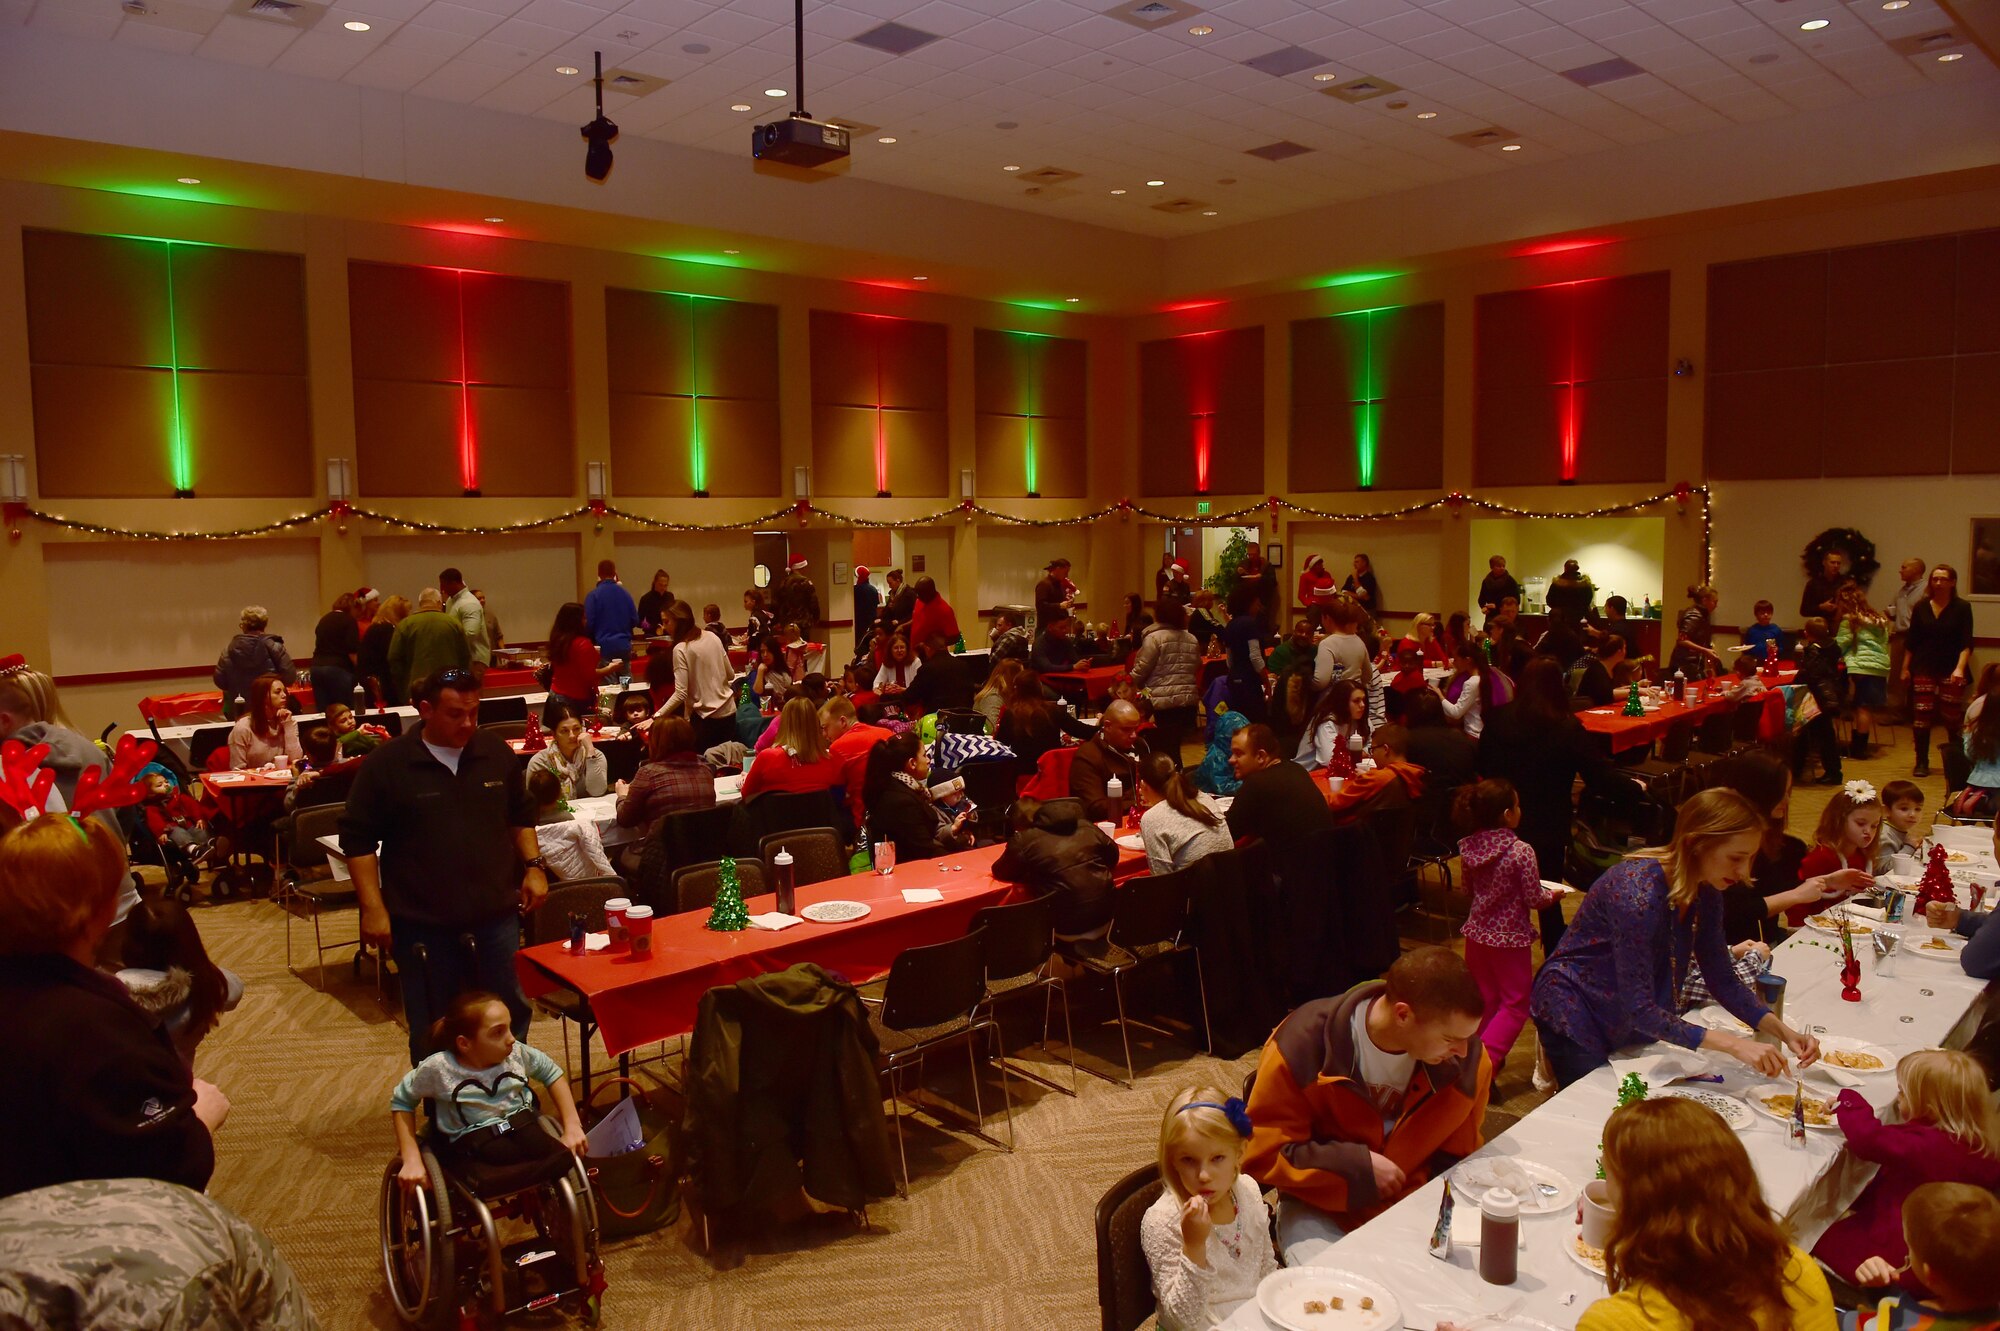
x=635 y=1191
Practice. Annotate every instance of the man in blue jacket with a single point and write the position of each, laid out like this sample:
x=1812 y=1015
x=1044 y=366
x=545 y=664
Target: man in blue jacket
x=611 y=615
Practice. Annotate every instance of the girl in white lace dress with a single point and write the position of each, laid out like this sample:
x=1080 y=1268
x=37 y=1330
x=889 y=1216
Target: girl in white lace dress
x=1208 y=1236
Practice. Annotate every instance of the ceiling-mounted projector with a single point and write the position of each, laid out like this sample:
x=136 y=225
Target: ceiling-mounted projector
x=798 y=141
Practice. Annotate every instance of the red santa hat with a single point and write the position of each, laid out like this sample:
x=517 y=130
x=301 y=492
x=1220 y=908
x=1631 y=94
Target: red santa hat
x=798 y=562
x=861 y=572
x=367 y=594
x=1314 y=561
x=1181 y=569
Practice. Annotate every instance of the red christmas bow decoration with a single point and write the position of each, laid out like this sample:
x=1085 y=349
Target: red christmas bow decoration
x=24 y=782
x=1682 y=493
x=95 y=791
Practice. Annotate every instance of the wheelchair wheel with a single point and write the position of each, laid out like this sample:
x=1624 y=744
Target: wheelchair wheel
x=417 y=1247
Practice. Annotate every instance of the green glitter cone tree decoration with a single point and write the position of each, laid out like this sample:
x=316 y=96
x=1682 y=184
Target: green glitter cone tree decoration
x=1633 y=706
x=729 y=916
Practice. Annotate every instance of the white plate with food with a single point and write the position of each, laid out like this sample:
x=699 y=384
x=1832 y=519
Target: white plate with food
x=1540 y=1189
x=1774 y=1100
x=834 y=912
x=1829 y=925
x=1589 y=1258
x=1931 y=946
x=1727 y=1107
x=1322 y=1298
x=1857 y=1056
x=1131 y=842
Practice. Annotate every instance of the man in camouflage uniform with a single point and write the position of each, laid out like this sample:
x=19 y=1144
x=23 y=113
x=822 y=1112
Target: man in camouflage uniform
x=797 y=601
x=120 y=1254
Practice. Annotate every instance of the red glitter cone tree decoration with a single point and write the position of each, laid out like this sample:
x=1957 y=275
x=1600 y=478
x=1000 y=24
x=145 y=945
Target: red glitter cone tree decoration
x=1935 y=885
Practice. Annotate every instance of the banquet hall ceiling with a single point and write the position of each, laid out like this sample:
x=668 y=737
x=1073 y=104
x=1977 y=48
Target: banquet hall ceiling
x=1242 y=109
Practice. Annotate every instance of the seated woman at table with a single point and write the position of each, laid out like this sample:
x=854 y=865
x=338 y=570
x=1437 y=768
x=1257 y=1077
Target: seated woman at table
x=769 y=677
x=1476 y=688
x=1337 y=734
x=673 y=779
x=812 y=687
x=1693 y=1245
x=266 y=731
x=899 y=667
x=1613 y=979
x=572 y=757
x=797 y=760
x=993 y=695
x=899 y=804
x=1178 y=825
x=569 y=845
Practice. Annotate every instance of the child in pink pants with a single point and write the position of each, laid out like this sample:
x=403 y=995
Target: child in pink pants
x=1506 y=887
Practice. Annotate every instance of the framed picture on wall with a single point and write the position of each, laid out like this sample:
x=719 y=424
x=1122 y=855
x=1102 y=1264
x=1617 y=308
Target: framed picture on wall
x=1274 y=554
x=839 y=574
x=1982 y=571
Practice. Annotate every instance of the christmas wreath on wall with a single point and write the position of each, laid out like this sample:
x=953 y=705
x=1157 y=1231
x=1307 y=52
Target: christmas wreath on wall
x=1857 y=549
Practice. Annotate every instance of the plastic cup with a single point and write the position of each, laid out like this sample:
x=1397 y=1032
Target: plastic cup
x=639 y=926
x=885 y=857
x=614 y=921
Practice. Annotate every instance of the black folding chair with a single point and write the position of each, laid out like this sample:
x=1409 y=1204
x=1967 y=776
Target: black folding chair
x=511 y=708
x=1020 y=944
x=694 y=887
x=817 y=855
x=550 y=924
x=1148 y=925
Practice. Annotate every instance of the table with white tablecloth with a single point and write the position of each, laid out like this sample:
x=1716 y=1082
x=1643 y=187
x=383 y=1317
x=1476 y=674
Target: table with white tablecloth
x=1921 y=1003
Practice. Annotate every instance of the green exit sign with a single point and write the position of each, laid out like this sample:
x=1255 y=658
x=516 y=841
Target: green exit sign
x=1201 y=507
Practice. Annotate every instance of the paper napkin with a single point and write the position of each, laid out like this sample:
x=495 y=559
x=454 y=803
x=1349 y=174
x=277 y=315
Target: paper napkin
x=774 y=920
x=917 y=896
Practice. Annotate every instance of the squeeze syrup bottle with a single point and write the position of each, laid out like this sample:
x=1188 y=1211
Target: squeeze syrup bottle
x=1499 y=1237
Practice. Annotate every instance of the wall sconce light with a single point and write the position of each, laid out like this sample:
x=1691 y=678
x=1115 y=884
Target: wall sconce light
x=13 y=478
x=339 y=480
x=596 y=481
x=966 y=489
x=1683 y=368
x=802 y=482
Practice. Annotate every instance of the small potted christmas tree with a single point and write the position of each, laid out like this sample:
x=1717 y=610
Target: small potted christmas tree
x=1935 y=885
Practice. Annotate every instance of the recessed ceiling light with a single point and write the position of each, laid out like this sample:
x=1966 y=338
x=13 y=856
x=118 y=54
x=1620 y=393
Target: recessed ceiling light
x=190 y=180
x=1118 y=191
x=1895 y=4
x=1510 y=147
x=1156 y=183
x=1814 y=24
x=1325 y=78
x=1950 y=56
x=886 y=138
x=732 y=251
x=1071 y=300
x=774 y=92
x=495 y=221
x=1010 y=168
x=1209 y=213
x=1427 y=115
x=1200 y=30
x=355 y=25
x=565 y=69
x=920 y=278
x=740 y=106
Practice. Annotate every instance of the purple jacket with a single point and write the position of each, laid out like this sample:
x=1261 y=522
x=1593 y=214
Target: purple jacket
x=1910 y=1154
x=1611 y=982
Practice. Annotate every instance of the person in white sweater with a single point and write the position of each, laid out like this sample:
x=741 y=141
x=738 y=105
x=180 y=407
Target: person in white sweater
x=570 y=845
x=1179 y=825
x=1208 y=1236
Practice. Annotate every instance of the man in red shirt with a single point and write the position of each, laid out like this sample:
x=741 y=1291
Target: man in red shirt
x=848 y=740
x=933 y=616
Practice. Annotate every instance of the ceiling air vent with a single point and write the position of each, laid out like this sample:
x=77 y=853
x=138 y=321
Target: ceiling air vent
x=1286 y=61
x=1179 y=206
x=1279 y=151
x=1485 y=138
x=1049 y=175
x=895 y=38
x=1604 y=71
x=1927 y=42
x=631 y=82
x=1150 y=14
x=1361 y=90
x=298 y=14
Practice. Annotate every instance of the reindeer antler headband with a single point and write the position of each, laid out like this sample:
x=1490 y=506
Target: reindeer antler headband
x=25 y=784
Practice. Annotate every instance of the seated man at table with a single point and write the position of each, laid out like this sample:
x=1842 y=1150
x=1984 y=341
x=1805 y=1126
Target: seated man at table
x=1108 y=753
x=945 y=684
x=1360 y=1098
x=1055 y=648
x=848 y=740
x=1278 y=800
x=1592 y=673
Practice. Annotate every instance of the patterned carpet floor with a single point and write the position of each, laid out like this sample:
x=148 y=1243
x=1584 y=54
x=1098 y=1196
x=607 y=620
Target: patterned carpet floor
x=986 y=1240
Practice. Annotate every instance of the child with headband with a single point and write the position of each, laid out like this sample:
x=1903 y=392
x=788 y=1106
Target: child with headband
x=1208 y=1236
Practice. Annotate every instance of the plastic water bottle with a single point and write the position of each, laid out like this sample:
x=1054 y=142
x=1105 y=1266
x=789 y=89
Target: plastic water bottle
x=781 y=869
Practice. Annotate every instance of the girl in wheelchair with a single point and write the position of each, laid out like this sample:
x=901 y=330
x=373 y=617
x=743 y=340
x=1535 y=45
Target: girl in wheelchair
x=484 y=1109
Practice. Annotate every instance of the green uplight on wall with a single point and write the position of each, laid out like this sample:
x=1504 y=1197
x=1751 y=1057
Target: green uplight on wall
x=711 y=260
x=1354 y=279
x=1036 y=304
x=1369 y=399
x=177 y=193
x=179 y=463
x=697 y=454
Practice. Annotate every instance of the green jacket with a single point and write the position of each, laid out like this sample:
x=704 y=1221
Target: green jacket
x=783 y=1094
x=425 y=643
x=1866 y=647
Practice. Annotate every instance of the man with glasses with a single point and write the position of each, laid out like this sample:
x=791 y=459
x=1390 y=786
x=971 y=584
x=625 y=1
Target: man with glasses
x=440 y=838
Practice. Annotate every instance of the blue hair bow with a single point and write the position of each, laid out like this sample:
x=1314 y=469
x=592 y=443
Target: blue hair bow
x=1232 y=1109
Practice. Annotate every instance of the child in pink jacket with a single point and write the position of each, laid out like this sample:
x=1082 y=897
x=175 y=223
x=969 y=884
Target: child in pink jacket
x=1506 y=887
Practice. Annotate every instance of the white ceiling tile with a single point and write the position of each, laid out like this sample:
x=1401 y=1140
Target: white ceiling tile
x=246 y=41
x=430 y=41
x=461 y=19
x=74 y=21
x=565 y=15
x=398 y=71
x=724 y=25
x=939 y=16
x=460 y=81
x=497 y=55
x=323 y=55
x=155 y=37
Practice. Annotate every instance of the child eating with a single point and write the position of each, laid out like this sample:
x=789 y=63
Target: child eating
x=1950 y=1133
x=1844 y=840
x=353 y=738
x=1952 y=1231
x=478 y=1083
x=1903 y=802
x=1208 y=1236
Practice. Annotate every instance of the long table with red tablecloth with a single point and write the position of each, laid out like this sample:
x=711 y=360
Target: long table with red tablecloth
x=167 y=707
x=1631 y=732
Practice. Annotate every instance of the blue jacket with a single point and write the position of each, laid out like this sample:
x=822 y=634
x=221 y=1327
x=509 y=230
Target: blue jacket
x=612 y=615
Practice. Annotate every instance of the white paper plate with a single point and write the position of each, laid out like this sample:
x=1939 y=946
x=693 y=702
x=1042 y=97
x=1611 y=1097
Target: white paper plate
x=1914 y=940
x=1848 y=1044
x=1729 y=1107
x=1130 y=842
x=1859 y=928
x=1283 y=1295
x=1754 y=1097
x=834 y=912
x=1716 y=1017
x=1540 y=1203
x=1572 y=1237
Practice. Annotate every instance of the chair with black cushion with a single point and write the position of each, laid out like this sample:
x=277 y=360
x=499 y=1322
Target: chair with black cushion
x=504 y=729
x=203 y=744
x=1020 y=943
x=1124 y=1277
x=308 y=888
x=1716 y=734
x=780 y=811
x=549 y=923
x=930 y=1001
x=817 y=855
x=622 y=757
x=989 y=784
x=510 y=708
x=693 y=887
x=960 y=721
x=389 y=721
x=1148 y=925
x=681 y=839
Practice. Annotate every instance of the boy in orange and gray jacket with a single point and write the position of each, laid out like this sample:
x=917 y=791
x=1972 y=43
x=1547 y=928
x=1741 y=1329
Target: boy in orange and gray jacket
x=1361 y=1097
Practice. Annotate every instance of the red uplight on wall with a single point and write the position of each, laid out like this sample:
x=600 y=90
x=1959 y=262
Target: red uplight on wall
x=468 y=438
x=1560 y=246
x=1204 y=428
x=1184 y=306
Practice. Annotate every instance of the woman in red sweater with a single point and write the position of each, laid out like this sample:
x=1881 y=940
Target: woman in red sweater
x=798 y=760
x=573 y=665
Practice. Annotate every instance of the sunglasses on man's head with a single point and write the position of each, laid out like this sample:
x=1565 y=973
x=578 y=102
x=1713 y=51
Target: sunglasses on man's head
x=455 y=678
